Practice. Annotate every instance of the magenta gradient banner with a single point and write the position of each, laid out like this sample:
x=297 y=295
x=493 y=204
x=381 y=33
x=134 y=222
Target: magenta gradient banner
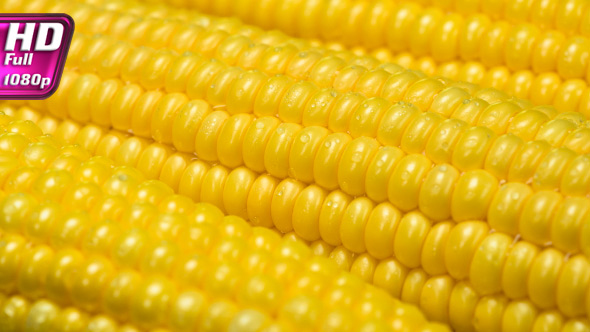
x=33 y=52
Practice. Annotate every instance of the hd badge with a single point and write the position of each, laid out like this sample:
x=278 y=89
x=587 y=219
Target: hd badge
x=33 y=51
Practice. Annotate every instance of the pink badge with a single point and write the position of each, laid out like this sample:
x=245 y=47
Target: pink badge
x=33 y=51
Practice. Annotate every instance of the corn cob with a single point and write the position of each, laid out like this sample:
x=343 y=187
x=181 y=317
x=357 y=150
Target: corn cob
x=459 y=113
x=565 y=96
x=545 y=174
x=402 y=232
x=287 y=51
x=92 y=239
x=569 y=95
x=369 y=177
x=564 y=99
x=513 y=209
x=378 y=82
x=445 y=37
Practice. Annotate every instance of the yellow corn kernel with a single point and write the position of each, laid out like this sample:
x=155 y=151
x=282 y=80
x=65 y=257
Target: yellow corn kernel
x=543 y=278
x=519 y=315
x=461 y=245
x=406 y=180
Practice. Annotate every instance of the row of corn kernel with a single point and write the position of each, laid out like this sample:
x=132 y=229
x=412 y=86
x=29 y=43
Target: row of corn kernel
x=96 y=17
x=19 y=314
x=327 y=71
x=447 y=300
x=564 y=90
x=62 y=237
x=357 y=218
x=543 y=171
x=542 y=89
x=179 y=36
x=230 y=25
x=88 y=52
x=570 y=17
x=444 y=37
